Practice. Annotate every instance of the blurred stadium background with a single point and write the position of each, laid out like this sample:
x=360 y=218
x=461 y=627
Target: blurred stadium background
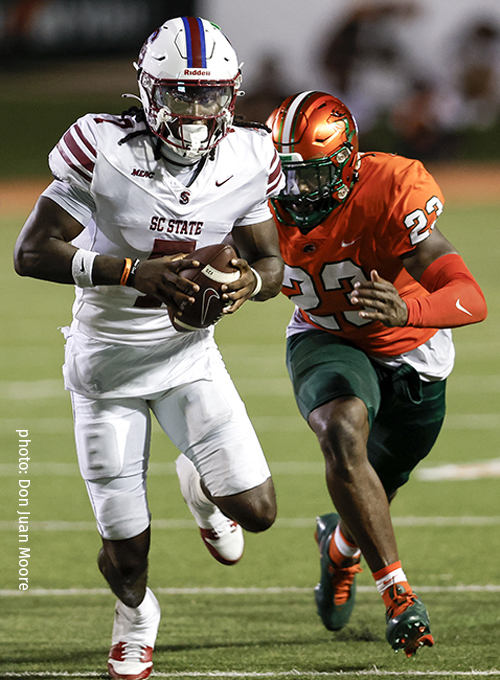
x=423 y=79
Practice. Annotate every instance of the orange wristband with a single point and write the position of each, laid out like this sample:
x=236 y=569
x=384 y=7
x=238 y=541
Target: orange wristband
x=126 y=271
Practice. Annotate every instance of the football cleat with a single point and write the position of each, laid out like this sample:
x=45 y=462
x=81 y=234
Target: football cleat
x=225 y=541
x=222 y=536
x=130 y=661
x=336 y=590
x=133 y=639
x=407 y=622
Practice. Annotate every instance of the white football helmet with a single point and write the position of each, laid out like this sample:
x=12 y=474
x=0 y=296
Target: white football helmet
x=188 y=77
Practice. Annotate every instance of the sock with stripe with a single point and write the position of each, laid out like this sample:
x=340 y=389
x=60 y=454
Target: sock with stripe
x=340 y=548
x=389 y=576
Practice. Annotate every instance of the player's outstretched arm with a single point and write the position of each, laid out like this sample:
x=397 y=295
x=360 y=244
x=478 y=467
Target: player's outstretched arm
x=455 y=297
x=43 y=251
x=261 y=264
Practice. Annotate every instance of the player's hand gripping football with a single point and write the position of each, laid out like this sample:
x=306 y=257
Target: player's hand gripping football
x=240 y=290
x=381 y=301
x=162 y=278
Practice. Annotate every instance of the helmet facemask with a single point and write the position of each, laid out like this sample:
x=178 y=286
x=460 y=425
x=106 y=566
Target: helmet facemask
x=313 y=188
x=190 y=117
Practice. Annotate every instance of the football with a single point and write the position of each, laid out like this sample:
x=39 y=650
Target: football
x=215 y=270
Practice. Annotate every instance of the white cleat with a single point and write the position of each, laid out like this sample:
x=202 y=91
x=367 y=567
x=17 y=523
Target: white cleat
x=133 y=639
x=225 y=542
x=130 y=661
x=222 y=536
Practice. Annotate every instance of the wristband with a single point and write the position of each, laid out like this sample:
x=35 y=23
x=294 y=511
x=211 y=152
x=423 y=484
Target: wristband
x=131 y=277
x=258 y=285
x=126 y=271
x=81 y=268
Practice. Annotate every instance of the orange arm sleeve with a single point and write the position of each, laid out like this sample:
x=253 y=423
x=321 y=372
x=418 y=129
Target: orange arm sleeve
x=455 y=298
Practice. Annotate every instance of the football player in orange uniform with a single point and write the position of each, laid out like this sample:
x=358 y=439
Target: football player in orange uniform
x=376 y=289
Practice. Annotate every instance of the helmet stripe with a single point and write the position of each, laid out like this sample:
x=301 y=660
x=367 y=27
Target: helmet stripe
x=195 y=42
x=290 y=120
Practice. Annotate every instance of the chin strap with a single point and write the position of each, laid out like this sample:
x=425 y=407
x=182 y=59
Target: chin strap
x=455 y=297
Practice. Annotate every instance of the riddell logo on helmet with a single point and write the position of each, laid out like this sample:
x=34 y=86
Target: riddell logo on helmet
x=195 y=72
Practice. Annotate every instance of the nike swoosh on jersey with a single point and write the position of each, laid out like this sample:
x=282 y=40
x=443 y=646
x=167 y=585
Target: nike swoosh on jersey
x=219 y=184
x=345 y=245
x=462 y=309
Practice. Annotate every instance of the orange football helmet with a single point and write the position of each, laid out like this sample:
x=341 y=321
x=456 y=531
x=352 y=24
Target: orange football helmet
x=317 y=139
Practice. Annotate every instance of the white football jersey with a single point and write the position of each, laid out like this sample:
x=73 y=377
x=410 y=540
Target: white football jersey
x=109 y=178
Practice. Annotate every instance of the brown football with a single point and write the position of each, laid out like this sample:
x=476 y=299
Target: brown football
x=215 y=270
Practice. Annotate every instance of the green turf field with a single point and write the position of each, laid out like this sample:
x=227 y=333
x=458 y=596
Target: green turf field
x=256 y=619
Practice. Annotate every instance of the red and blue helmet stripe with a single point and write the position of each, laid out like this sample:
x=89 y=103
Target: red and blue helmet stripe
x=195 y=42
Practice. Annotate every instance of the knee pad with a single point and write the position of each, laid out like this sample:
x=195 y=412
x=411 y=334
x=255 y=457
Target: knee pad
x=120 y=506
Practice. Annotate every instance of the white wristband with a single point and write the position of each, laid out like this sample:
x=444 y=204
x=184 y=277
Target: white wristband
x=258 y=285
x=81 y=268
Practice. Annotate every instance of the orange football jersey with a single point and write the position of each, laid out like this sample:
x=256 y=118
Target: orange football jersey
x=391 y=209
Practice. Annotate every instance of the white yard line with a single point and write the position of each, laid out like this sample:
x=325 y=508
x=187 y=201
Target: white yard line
x=271 y=590
x=33 y=389
x=281 y=523
x=293 y=673
x=155 y=468
x=448 y=472
x=291 y=423
x=277 y=385
x=462 y=471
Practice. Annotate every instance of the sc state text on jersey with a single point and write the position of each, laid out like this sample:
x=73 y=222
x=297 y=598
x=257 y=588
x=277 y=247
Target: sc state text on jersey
x=172 y=226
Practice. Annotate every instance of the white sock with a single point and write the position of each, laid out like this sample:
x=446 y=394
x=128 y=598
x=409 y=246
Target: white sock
x=396 y=576
x=202 y=500
x=137 y=624
x=201 y=508
x=345 y=548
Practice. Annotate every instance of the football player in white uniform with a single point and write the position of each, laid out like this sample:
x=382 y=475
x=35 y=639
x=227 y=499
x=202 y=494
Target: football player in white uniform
x=132 y=195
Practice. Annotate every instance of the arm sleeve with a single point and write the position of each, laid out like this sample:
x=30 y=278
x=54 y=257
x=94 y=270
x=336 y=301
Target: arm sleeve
x=455 y=297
